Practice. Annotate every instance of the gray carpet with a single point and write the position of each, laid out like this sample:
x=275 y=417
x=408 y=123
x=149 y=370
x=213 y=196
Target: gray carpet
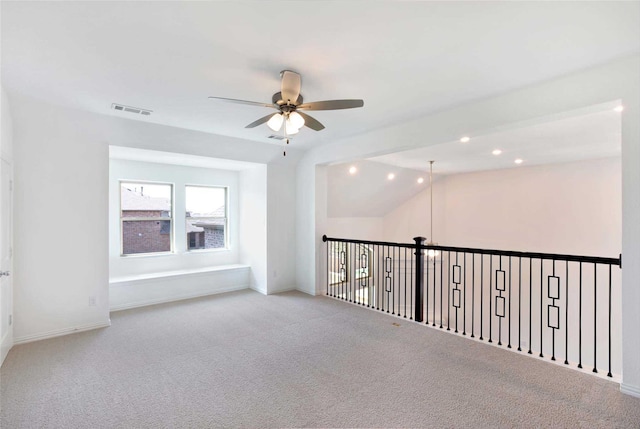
x=245 y=360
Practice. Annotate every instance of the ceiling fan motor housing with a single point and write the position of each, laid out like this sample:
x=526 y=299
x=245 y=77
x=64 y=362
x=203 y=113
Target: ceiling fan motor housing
x=279 y=102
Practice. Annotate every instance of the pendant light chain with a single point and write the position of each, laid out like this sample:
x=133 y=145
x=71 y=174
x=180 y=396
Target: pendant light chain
x=431 y=192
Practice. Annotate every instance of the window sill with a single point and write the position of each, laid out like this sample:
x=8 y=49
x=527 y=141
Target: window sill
x=177 y=273
x=166 y=254
x=216 y=250
x=148 y=255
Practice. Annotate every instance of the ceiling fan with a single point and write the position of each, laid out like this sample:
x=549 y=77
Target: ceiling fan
x=288 y=103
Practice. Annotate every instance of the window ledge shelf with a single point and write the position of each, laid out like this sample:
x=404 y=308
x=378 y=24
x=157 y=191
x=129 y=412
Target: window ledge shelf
x=177 y=273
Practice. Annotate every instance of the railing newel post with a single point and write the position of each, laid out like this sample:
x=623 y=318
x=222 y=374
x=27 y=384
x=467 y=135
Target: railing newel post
x=419 y=275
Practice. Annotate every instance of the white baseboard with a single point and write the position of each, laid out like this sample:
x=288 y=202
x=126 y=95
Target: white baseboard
x=257 y=289
x=175 y=298
x=60 y=332
x=5 y=346
x=630 y=390
x=281 y=289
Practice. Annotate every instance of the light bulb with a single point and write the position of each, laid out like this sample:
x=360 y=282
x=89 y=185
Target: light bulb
x=518 y=161
x=353 y=170
x=275 y=123
x=289 y=129
x=619 y=108
x=296 y=119
x=496 y=152
x=420 y=180
x=465 y=139
x=391 y=176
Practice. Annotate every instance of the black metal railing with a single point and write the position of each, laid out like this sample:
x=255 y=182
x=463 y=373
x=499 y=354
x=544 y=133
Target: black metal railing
x=554 y=305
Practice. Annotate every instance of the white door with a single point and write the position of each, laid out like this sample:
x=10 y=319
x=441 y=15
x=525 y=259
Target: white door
x=6 y=287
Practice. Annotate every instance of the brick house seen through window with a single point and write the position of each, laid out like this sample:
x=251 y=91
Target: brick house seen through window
x=206 y=217
x=145 y=218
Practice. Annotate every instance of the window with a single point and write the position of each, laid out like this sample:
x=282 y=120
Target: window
x=206 y=217
x=145 y=217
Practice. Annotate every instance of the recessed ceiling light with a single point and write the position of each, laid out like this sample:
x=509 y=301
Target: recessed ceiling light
x=496 y=152
x=353 y=170
x=465 y=139
x=420 y=180
x=518 y=161
x=391 y=176
x=619 y=108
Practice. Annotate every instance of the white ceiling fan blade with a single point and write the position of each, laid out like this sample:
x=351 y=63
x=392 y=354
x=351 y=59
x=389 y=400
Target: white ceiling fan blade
x=311 y=122
x=260 y=121
x=332 y=105
x=251 y=103
x=290 y=86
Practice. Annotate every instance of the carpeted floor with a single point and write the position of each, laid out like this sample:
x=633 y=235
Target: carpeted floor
x=246 y=360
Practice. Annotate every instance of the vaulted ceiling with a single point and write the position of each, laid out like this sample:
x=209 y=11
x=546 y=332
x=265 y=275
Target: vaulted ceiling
x=405 y=59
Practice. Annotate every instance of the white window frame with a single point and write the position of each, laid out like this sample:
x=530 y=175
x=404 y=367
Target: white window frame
x=170 y=218
x=226 y=219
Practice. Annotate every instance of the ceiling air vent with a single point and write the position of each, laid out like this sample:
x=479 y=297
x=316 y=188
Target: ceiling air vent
x=136 y=110
x=273 y=136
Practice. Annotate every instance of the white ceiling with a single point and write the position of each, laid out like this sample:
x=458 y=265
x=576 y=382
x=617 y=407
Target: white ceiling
x=596 y=134
x=369 y=192
x=405 y=59
x=592 y=132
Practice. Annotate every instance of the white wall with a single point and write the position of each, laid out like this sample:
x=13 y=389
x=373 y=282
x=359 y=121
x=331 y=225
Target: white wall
x=412 y=218
x=179 y=176
x=281 y=230
x=617 y=80
x=573 y=208
x=61 y=208
x=253 y=218
x=6 y=127
x=358 y=228
x=61 y=256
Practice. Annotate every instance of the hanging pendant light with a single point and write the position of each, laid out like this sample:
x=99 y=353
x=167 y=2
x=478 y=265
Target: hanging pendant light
x=432 y=253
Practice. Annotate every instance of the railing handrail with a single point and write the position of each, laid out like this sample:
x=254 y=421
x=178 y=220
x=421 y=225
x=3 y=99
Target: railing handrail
x=532 y=255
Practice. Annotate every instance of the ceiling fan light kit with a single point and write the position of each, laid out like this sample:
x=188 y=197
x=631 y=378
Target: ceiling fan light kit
x=275 y=123
x=288 y=101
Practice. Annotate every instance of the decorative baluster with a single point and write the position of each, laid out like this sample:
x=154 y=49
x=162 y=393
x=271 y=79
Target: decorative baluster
x=509 y=304
x=456 y=291
x=464 y=296
x=519 y=304
x=553 y=311
x=490 y=296
x=541 y=304
x=500 y=300
x=595 y=318
x=530 y=302
x=609 y=373
x=473 y=293
x=566 y=313
x=580 y=321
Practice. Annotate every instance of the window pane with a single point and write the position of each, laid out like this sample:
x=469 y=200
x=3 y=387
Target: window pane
x=143 y=200
x=146 y=236
x=206 y=217
x=205 y=233
x=205 y=202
